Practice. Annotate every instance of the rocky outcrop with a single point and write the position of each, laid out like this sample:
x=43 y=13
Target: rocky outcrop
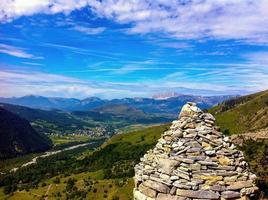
x=193 y=160
x=240 y=139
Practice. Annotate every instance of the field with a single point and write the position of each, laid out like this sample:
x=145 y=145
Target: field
x=63 y=139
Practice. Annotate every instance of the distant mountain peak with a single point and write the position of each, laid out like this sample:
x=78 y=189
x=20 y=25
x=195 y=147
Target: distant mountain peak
x=166 y=95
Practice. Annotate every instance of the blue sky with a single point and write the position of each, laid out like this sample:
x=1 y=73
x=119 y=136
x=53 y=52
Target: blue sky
x=118 y=48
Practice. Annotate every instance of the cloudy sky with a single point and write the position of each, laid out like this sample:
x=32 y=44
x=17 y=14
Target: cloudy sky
x=119 y=48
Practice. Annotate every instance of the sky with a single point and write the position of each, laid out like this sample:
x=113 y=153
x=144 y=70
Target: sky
x=132 y=48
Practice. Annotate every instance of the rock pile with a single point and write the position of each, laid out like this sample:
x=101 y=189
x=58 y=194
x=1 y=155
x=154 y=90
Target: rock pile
x=193 y=160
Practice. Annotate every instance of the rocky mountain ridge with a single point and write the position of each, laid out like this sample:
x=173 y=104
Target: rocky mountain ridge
x=193 y=160
x=148 y=105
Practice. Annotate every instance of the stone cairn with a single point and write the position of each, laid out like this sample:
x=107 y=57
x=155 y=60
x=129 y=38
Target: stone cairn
x=193 y=161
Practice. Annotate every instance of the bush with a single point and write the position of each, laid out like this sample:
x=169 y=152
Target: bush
x=56 y=180
x=115 y=198
x=7 y=189
x=43 y=184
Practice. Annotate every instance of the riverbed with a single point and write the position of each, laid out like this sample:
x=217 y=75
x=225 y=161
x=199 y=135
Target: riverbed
x=49 y=153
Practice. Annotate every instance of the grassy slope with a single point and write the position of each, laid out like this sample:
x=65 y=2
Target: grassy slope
x=150 y=136
x=114 y=187
x=247 y=113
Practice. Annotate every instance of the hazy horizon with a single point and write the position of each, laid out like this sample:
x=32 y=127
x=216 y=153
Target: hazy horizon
x=149 y=97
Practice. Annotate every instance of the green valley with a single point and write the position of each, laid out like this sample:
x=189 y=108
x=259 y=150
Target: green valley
x=102 y=122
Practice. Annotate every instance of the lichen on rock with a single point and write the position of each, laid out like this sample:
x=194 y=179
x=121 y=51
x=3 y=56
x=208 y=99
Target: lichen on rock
x=193 y=160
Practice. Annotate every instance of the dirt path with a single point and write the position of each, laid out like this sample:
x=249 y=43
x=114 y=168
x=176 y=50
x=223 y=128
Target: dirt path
x=47 y=192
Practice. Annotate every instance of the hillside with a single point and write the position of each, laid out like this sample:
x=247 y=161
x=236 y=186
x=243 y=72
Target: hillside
x=120 y=110
x=45 y=103
x=47 y=121
x=17 y=137
x=243 y=114
x=62 y=122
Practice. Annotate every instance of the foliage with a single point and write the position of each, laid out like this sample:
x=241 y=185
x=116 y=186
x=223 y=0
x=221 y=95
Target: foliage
x=45 y=168
x=256 y=154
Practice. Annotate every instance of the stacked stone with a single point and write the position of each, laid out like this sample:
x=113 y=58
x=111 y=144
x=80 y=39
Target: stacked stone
x=193 y=161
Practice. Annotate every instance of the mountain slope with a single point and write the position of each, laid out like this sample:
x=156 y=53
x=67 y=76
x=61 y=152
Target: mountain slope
x=125 y=112
x=56 y=121
x=17 y=137
x=247 y=113
x=41 y=102
x=47 y=121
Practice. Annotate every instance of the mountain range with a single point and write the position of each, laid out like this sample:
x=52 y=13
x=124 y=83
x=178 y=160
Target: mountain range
x=149 y=105
x=110 y=117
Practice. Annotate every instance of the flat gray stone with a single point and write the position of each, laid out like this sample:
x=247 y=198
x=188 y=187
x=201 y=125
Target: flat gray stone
x=230 y=194
x=199 y=194
x=218 y=188
x=207 y=163
x=161 y=196
x=147 y=191
x=239 y=185
x=160 y=187
x=167 y=165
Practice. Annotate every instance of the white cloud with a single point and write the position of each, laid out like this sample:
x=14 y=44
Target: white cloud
x=221 y=19
x=32 y=63
x=83 y=51
x=35 y=77
x=17 y=52
x=12 y=9
x=19 y=83
x=258 y=58
x=89 y=30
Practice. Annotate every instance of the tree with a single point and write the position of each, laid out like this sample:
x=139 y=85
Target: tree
x=56 y=180
x=115 y=197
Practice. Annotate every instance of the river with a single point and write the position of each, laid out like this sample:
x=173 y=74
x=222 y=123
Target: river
x=49 y=153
